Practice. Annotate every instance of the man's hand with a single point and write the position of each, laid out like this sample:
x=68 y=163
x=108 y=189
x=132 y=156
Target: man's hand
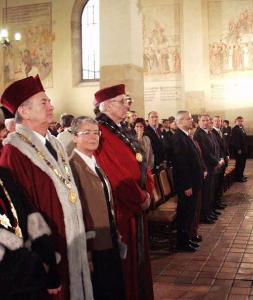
x=205 y=174
x=54 y=291
x=188 y=192
x=239 y=152
x=145 y=205
x=89 y=256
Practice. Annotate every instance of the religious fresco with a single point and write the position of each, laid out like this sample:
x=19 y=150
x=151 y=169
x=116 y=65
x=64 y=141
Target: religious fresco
x=230 y=36
x=161 y=55
x=33 y=53
x=161 y=39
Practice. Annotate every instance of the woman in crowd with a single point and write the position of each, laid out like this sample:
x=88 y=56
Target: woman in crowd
x=144 y=141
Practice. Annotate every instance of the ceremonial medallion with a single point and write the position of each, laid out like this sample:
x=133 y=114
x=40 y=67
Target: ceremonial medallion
x=139 y=157
x=72 y=197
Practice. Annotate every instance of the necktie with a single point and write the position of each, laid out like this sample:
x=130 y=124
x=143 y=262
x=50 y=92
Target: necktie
x=109 y=208
x=51 y=149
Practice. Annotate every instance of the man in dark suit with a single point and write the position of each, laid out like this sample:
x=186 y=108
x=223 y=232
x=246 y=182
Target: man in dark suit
x=167 y=139
x=226 y=134
x=211 y=156
x=217 y=122
x=240 y=148
x=156 y=137
x=188 y=176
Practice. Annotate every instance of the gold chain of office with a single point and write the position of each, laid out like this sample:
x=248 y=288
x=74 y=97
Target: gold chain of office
x=67 y=182
x=4 y=221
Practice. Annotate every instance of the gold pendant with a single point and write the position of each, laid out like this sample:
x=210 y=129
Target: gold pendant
x=72 y=197
x=18 y=232
x=4 y=220
x=139 y=157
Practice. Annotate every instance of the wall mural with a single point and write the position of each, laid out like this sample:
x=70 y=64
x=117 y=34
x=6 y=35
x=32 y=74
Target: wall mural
x=231 y=47
x=230 y=31
x=33 y=53
x=161 y=55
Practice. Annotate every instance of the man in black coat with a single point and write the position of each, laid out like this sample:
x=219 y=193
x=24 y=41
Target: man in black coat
x=213 y=162
x=188 y=177
x=240 y=148
x=224 y=154
x=156 y=137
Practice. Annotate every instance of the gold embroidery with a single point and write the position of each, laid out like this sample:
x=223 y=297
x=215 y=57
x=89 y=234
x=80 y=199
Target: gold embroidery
x=4 y=220
x=66 y=181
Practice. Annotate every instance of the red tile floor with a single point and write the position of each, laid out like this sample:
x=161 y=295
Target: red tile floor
x=222 y=268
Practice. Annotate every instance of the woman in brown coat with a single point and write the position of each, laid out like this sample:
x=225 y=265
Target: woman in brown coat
x=96 y=198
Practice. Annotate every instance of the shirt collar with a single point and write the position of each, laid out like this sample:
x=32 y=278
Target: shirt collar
x=90 y=161
x=184 y=131
x=217 y=129
x=41 y=137
x=206 y=130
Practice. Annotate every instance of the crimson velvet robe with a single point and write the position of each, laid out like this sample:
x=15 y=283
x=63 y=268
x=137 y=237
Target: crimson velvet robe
x=42 y=194
x=122 y=169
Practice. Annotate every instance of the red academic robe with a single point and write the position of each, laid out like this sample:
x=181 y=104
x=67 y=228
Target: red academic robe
x=42 y=194
x=122 y=169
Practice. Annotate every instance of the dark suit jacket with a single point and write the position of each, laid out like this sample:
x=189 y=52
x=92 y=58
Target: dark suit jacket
x=219 y=139
x=239 y=140
x=187 y=166
x=207 y=148
x=157 y=145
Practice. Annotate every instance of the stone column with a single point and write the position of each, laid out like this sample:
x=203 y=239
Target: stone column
x=122 y=48
x=193 y=55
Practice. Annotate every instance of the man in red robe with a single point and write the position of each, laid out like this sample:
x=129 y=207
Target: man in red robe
x=124 y=163
x=39 y=164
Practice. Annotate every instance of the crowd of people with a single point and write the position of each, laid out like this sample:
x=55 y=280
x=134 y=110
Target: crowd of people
x=74 y=196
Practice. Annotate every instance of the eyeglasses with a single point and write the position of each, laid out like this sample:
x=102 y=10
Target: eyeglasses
x=123 y=101
x=89 y=132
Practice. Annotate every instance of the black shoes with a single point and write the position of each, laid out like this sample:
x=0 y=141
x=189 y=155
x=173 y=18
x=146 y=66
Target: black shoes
x=197 y=238
x=185 y=248
x=207 y=220
x=243 y=179
x=194 y=245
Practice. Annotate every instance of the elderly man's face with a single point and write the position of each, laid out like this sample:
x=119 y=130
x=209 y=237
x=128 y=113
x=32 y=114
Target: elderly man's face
x=87 y=138
x=39 y=110
x=118 y=108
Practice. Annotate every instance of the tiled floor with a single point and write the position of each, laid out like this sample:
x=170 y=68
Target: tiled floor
x=222 y=268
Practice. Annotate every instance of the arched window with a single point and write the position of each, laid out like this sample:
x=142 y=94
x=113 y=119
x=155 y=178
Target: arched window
x=90 y=41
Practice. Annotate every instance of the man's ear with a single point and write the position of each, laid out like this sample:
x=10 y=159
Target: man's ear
x=24 y=112
x=75 y=138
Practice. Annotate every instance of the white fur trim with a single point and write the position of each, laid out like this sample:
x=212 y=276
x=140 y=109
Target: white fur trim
x=37 y=226
x=73 y=216
x=10 y=240
x=2 y=252
x=90 y=234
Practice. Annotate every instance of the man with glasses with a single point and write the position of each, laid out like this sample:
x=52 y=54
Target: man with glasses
x=38 y=162
x=124 y=164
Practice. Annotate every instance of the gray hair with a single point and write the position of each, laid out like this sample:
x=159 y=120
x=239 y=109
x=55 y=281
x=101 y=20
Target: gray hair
x=79 y=121
x=18 y=118
x=9 y=123
x=180 y=114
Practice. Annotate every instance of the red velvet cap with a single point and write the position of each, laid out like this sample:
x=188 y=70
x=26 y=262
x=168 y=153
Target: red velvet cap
x=19 y=91
x=109 y=93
